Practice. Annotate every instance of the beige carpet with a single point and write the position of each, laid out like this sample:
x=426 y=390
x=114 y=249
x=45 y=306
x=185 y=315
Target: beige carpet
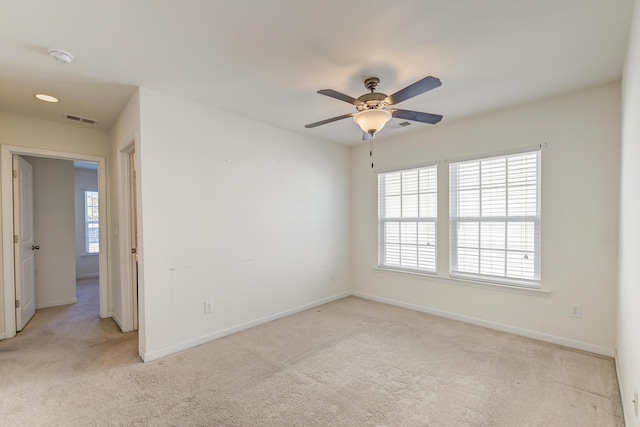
x=348 y=363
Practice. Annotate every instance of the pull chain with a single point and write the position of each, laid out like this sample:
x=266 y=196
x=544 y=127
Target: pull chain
x=371 y=151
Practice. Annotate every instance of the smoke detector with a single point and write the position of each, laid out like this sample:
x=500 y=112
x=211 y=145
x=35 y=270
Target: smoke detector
x=61 y=55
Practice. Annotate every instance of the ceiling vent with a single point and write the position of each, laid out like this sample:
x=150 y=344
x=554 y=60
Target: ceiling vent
x=81 y=119
x=403 y=124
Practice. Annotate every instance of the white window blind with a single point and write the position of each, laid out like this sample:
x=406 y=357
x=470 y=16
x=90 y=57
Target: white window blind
x=495 y=219
x=407 y=212
x=91 y=223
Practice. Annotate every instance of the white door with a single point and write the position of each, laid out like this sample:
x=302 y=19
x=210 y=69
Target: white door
x=133 y=218
x=23 y=241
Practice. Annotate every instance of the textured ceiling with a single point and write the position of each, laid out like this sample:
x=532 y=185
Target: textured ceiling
x=265 y=59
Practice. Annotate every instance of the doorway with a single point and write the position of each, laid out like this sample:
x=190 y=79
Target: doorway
x=6 y=177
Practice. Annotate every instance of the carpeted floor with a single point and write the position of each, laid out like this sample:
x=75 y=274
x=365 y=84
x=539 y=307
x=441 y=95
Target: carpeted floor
x=352 y=362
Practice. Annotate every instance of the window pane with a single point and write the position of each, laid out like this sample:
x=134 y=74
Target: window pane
x=494 y=202
x=410 y=206
x=492 y=235
x=520 y=236
x=492 y=262
x=409 y=256
x=393 y=207
x=427 y=233
x=428 y=205
x=410 y=182
x=392 y=232
x=409 y=233
x=392 y=184
x=427 y=258
x=392 y=253
x=468 y=234
x=469 y=203
x=468 y=260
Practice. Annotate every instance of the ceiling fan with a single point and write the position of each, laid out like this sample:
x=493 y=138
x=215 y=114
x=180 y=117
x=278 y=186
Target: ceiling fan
x=373 y=108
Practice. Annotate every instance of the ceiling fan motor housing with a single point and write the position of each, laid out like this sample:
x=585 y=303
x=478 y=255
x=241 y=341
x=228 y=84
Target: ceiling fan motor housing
x=373 y=100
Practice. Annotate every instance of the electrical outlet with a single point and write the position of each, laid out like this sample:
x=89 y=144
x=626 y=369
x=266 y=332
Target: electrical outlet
x=575 y=310
x=635 y=401
x=208 y=307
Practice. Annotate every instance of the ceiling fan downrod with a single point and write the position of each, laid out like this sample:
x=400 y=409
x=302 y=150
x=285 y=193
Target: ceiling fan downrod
x=371 y=83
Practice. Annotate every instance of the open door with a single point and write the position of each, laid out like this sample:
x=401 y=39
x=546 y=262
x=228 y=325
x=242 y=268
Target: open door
x=133 y=227
x=23 y=241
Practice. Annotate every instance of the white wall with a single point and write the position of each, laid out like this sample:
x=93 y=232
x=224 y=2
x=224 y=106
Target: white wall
x=629 y=273
x=54 y=231
x=27 y=132
x=247 y=216
x=580 y=168
x=86 y=265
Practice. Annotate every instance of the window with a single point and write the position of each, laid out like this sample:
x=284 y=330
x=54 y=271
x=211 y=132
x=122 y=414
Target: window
x=91 y=225
x=495 y=219
x=407 y=212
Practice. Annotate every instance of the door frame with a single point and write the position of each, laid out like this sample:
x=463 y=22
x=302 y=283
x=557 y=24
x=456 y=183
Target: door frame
x=6 y=184
x=130 y=303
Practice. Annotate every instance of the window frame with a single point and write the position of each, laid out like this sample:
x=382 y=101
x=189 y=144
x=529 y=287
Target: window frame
x=88 y=223
x=454 y=270
x=384 y=220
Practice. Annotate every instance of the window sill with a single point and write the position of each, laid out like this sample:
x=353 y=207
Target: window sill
x=472 y=283
x=89 y=255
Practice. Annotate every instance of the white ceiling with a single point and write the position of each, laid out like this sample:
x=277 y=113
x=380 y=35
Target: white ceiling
x=265 y=59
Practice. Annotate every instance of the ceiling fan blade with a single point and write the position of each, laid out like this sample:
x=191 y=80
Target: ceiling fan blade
x=421 y=86
x=341 y=96
x=366 y=136
x=333 y=119
x=417 y=116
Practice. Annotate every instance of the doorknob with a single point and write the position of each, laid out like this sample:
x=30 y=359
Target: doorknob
x=35 y=247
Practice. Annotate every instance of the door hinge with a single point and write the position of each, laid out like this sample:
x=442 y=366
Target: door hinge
x=134 y=250
x=15 y=238
x=15 y=173
x=17 y=303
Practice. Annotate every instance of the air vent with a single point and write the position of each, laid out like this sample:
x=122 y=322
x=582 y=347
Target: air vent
x=81 y=119
x=403 y=124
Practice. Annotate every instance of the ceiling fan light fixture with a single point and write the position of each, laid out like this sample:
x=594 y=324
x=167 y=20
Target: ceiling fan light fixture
x=372 y=121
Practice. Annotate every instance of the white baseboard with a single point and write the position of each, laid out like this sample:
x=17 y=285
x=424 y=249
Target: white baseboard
x=621 y=388
x=3 y=335
x=57 y=303
x=87 y=276
x=579 y=345
x=157 y=354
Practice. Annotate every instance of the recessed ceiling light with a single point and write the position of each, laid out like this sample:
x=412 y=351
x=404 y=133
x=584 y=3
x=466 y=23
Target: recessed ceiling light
x=61 y=55
x=46 y=98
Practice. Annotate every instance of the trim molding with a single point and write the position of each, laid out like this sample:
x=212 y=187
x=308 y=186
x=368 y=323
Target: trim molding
x=149 y=356
x=57 y=303
x=554 y=339
x=621 y=388
x=87 y=276
x=2 y=336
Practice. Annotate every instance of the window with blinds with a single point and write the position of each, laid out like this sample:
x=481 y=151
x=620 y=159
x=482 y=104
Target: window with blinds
x=91 y=222
x=407 y=213
x=495 y=219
